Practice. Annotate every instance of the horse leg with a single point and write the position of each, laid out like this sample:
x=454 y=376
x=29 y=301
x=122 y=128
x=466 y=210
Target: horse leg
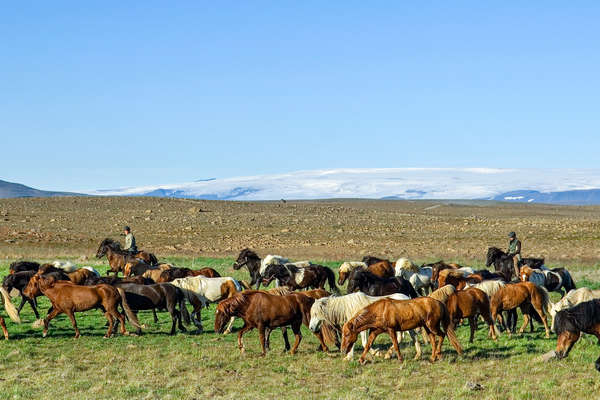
x=542 y=314
x=526 y=319
x=229 y=326
x=394 y=337
x=119 y=317
x=155 y=316
x=415 y=339
x=261 y=338
x=286 y=340
x=34 y=308
x=21 y=305
x=372 y=336
x=4 y=330
x=244 y=329
x=71 y=316
x=180 y=322
x=473 y=326
x=52 y=312
x=298 y=335
x=111 y=324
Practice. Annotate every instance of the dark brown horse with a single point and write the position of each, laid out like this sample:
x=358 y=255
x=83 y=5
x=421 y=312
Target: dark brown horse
x=20 y=266
x=171 y=274
x=470 y=303
x=370 y=260
x=117 y=258
x=456 y=278
x=368 y=283
x=81 y=275
x=522 y=295
x=570 y=323
x=69 y=298
x=264 y=312
x=390 y=316
x=313 y=276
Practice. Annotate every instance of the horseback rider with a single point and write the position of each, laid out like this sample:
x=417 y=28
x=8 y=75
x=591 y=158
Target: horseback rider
x=130 y=245
x=514 y=250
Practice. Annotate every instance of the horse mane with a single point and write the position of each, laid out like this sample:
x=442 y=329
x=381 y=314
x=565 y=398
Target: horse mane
x=406 y=264
x=246 y=252
x=235 y=302
x=292 y=268
x=578 y=318
x=279 y=291
x=348 y=266
x=443 y=293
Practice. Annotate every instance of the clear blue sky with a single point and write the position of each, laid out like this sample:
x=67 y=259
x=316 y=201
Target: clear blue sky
x=110 y=94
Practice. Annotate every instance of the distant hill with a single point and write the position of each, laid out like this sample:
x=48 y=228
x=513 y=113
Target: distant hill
x=12 y=190
x=568 y=197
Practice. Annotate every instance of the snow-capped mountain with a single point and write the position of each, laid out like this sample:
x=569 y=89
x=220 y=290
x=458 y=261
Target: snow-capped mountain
x=527 y=185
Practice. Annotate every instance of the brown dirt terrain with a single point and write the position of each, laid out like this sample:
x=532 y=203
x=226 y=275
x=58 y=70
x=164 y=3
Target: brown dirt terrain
x=332 y=229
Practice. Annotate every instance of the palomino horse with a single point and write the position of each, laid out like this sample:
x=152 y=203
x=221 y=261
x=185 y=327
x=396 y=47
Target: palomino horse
x=521 y=295
x=390 y=316
x=312 y=276
x=117 y=258
x=69 y=298
x=264 y=311
x=552 y=280
x=200 y=291
x=336 y=311
x=366 y=282
x=584 y=317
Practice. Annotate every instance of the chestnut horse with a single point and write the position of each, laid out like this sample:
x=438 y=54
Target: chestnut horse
x=69 y=298
x=264 y=312
x=470 y=303
x=584 y=317
x=439 y=266
x=522 y=294
x=171 y=274
x=390 y=316
x=81 y=275
x=457 y=279
x=382 y=269
x=117 y=258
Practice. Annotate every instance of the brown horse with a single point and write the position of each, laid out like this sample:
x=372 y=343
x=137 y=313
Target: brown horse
x=207 y=272
x=264 y=311
x=456 y=279
x=382 y=269
x=117 y=258
x=390 y=316
x=439 y=266
x=81 y=275
x=69 y=298
x=522 y=295
x=470 y=303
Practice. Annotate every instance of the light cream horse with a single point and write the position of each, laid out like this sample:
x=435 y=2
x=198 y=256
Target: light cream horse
x=571 y=299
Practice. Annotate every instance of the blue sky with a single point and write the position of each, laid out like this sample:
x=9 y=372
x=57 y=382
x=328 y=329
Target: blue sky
x=117 y=94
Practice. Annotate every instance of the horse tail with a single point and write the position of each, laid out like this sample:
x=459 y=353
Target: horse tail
x=449 y=328
x=329 y=334
x=331 y=280
x=130 y=314
x=9 y=306
x=568 y=284
x=546 y=304
x=153 y=259
x=182 y=308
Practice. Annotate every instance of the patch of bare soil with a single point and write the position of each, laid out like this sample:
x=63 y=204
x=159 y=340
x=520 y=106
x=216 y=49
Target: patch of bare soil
x=333 y=229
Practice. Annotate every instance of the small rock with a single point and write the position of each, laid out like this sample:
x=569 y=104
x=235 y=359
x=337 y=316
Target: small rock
x=148 y=211
x=548 y=356
x=285 y=230
x=473 y=386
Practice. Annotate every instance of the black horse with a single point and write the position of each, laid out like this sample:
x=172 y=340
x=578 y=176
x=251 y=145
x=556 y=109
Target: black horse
x=568 y=324
x=19 y=281
x=159 y=295
x=20 y=266
x=313 y=276
x=504 y=264
x=250 y=260
x=368 y=283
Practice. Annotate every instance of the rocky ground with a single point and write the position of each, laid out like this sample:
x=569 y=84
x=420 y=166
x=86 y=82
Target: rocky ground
x=335 y=230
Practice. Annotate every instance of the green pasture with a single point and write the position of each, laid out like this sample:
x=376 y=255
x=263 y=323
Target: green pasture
x=208 y=365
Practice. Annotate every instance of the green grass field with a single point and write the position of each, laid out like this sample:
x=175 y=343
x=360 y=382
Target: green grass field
x=207 y=365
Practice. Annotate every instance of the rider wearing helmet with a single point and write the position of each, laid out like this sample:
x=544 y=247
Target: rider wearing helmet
x=514 y=250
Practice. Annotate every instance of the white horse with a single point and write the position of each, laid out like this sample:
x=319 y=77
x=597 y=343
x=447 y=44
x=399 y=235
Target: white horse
x=336 y=311
x=419 y=279
x=66 y=266
x=405 y=263
x=489 y=287
x=200 y=291
x=571 y=299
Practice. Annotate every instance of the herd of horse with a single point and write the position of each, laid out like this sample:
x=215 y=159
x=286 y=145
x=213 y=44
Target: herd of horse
x=383 y=297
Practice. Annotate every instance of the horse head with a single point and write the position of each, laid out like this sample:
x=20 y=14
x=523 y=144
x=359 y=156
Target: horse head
x=272 y=272
x=317 y=311
x=244 y=257
x=349 y=336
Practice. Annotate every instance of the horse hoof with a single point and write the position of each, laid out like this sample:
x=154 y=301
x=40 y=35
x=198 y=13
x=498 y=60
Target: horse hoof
x=363 y=361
